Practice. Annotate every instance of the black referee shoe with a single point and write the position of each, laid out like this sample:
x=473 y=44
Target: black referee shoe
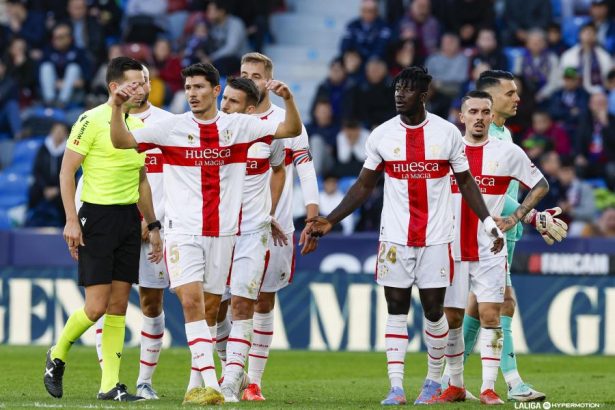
x=119 y=393
x=54 y=371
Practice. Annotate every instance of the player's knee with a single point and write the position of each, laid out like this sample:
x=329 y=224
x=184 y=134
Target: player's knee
x=191 y=306
x=398 y=307
x=95 y=312
x=490 y=318
x=509 y=305
x=454 y=317
x=265 y=303
x=151 y=309
x=433 y=314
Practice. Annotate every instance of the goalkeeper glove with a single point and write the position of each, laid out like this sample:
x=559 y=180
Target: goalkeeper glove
x=550 y=228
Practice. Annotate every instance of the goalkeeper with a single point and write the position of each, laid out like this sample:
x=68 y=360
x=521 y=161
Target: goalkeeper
x=501 y=86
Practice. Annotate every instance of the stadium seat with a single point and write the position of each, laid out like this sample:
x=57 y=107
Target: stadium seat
x=570 y=29
x=345 y=183
x=514 y=56
x=5 y=221
x=13 y=189
x=596 y=182
x=24 y=153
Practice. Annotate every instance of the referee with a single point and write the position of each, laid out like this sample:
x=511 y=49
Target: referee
x=105 y=237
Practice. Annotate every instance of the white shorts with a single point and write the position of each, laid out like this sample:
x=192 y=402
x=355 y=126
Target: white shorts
x=485 y=278
x=281 y=266
x=152 y=275
x=195 y=258
x=249 y=264
x=401 y=266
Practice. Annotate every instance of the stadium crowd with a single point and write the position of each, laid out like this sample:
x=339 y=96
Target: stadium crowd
x=54 y=56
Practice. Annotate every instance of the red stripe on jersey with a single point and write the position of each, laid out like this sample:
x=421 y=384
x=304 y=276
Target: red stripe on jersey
x=150 y=336
x=153 y=163
x=417 y=188
x=394 y=336
x=210 y=176
x=468 y=239
x=417 y=170
x=488 y=184
x=267 y=256
x=246 y=342
x=257 y=166
x=288 y=156
x=145 y=146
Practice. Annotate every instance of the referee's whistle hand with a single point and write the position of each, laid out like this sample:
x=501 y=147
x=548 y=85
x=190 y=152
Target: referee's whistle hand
x=155 y=242
x=123 y=93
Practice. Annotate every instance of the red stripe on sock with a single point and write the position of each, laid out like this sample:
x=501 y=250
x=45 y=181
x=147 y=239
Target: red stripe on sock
x=436 y=336
x=258 y=356
x=222 y=340
x=247 y=342
x=260 y=332
x=203 y=368
x=195 y=341
x=395 y=362
x=147 y=363
x=235 y=364
x=435 y=358
x=490 y=358
x=98 y=331
x=150 y=336
x=454 y=355
x=391 y=335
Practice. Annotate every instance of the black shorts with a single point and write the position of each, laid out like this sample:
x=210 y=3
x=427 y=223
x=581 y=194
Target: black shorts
x=112 y=238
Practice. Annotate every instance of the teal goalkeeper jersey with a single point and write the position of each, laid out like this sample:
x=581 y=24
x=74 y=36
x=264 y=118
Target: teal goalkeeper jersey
x=502 y=133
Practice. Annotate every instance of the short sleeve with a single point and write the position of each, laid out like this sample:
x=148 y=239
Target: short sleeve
x=300 y=147
x=522 y=168
x=457 y=158
x=277 y=153
x=82 y=135
x=373 y=161
x=256 y=129
x=154 y=134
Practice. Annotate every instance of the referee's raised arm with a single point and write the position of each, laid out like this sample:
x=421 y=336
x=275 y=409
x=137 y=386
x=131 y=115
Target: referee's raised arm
x=121 y=137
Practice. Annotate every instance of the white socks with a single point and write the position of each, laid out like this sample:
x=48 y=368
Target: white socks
x=490 y=341
x=201 y=343
x=396 y=344
x=436 y=340
x=151 y=343
x=239 y=343
x=223 y=331
x=454 y=356
x=261 y=341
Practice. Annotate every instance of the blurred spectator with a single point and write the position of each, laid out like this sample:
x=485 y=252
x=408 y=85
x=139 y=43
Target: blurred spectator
x=98 y=87
x=550 y=166
x=10 y=120
x=63 y=68
x=369 y=34
x=333 y=88
x=466 y=17
x=351 y=148
x=599 y=13
x=488 y=52
x=539 y=67
x=322 y=131
x=605 y=227
x=88 y=34
x=371 y=100
x=610 y=86
x=419 y=25
x=403 y=54
x=108 y=14
x=330 y=197
x=554 y=39
x=228 y=34
x=199 y=45
x=449 y=69
x=177 y=15
x=22 y=69
x=521 y=19
x=45 y=203
x=595 y=141
x=543 y=128
x=353 y=65
x=590 y=60
x=145 y=20
x=255 y=15
x=153 y=8
x=578 y=204
x=28 y=24
x=165 y=72
x=569 y=103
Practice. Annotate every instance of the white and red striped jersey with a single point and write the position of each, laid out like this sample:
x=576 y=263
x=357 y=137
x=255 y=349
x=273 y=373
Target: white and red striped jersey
x=256 y=206
x=153 y=160
x=297 y=152
x=417 y=209
x=493 y=164
x=204 y=167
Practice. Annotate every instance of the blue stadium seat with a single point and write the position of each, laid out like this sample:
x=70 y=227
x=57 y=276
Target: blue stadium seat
x=596 y=182
x=13 y=189
x=24 y=153
x=513 y=54
x=345 y=183
x=5 y=221
x=570 y=29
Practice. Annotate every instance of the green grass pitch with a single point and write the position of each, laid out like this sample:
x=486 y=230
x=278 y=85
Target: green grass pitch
x=295 y=379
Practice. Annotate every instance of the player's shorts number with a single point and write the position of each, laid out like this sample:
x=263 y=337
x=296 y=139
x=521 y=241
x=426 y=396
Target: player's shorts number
x=173 y=254
x=391 y=255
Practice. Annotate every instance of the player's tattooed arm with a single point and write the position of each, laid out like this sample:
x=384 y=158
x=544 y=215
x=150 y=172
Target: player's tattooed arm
x=356 y=195
x=531 y=200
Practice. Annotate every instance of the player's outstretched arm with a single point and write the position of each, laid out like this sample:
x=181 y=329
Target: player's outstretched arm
x=356 y=195
x=72 y=231
x=470 y=192
x=120 y=136
x=146 y=207
x=533 y=197
x=550 y=227
x=291 y=126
